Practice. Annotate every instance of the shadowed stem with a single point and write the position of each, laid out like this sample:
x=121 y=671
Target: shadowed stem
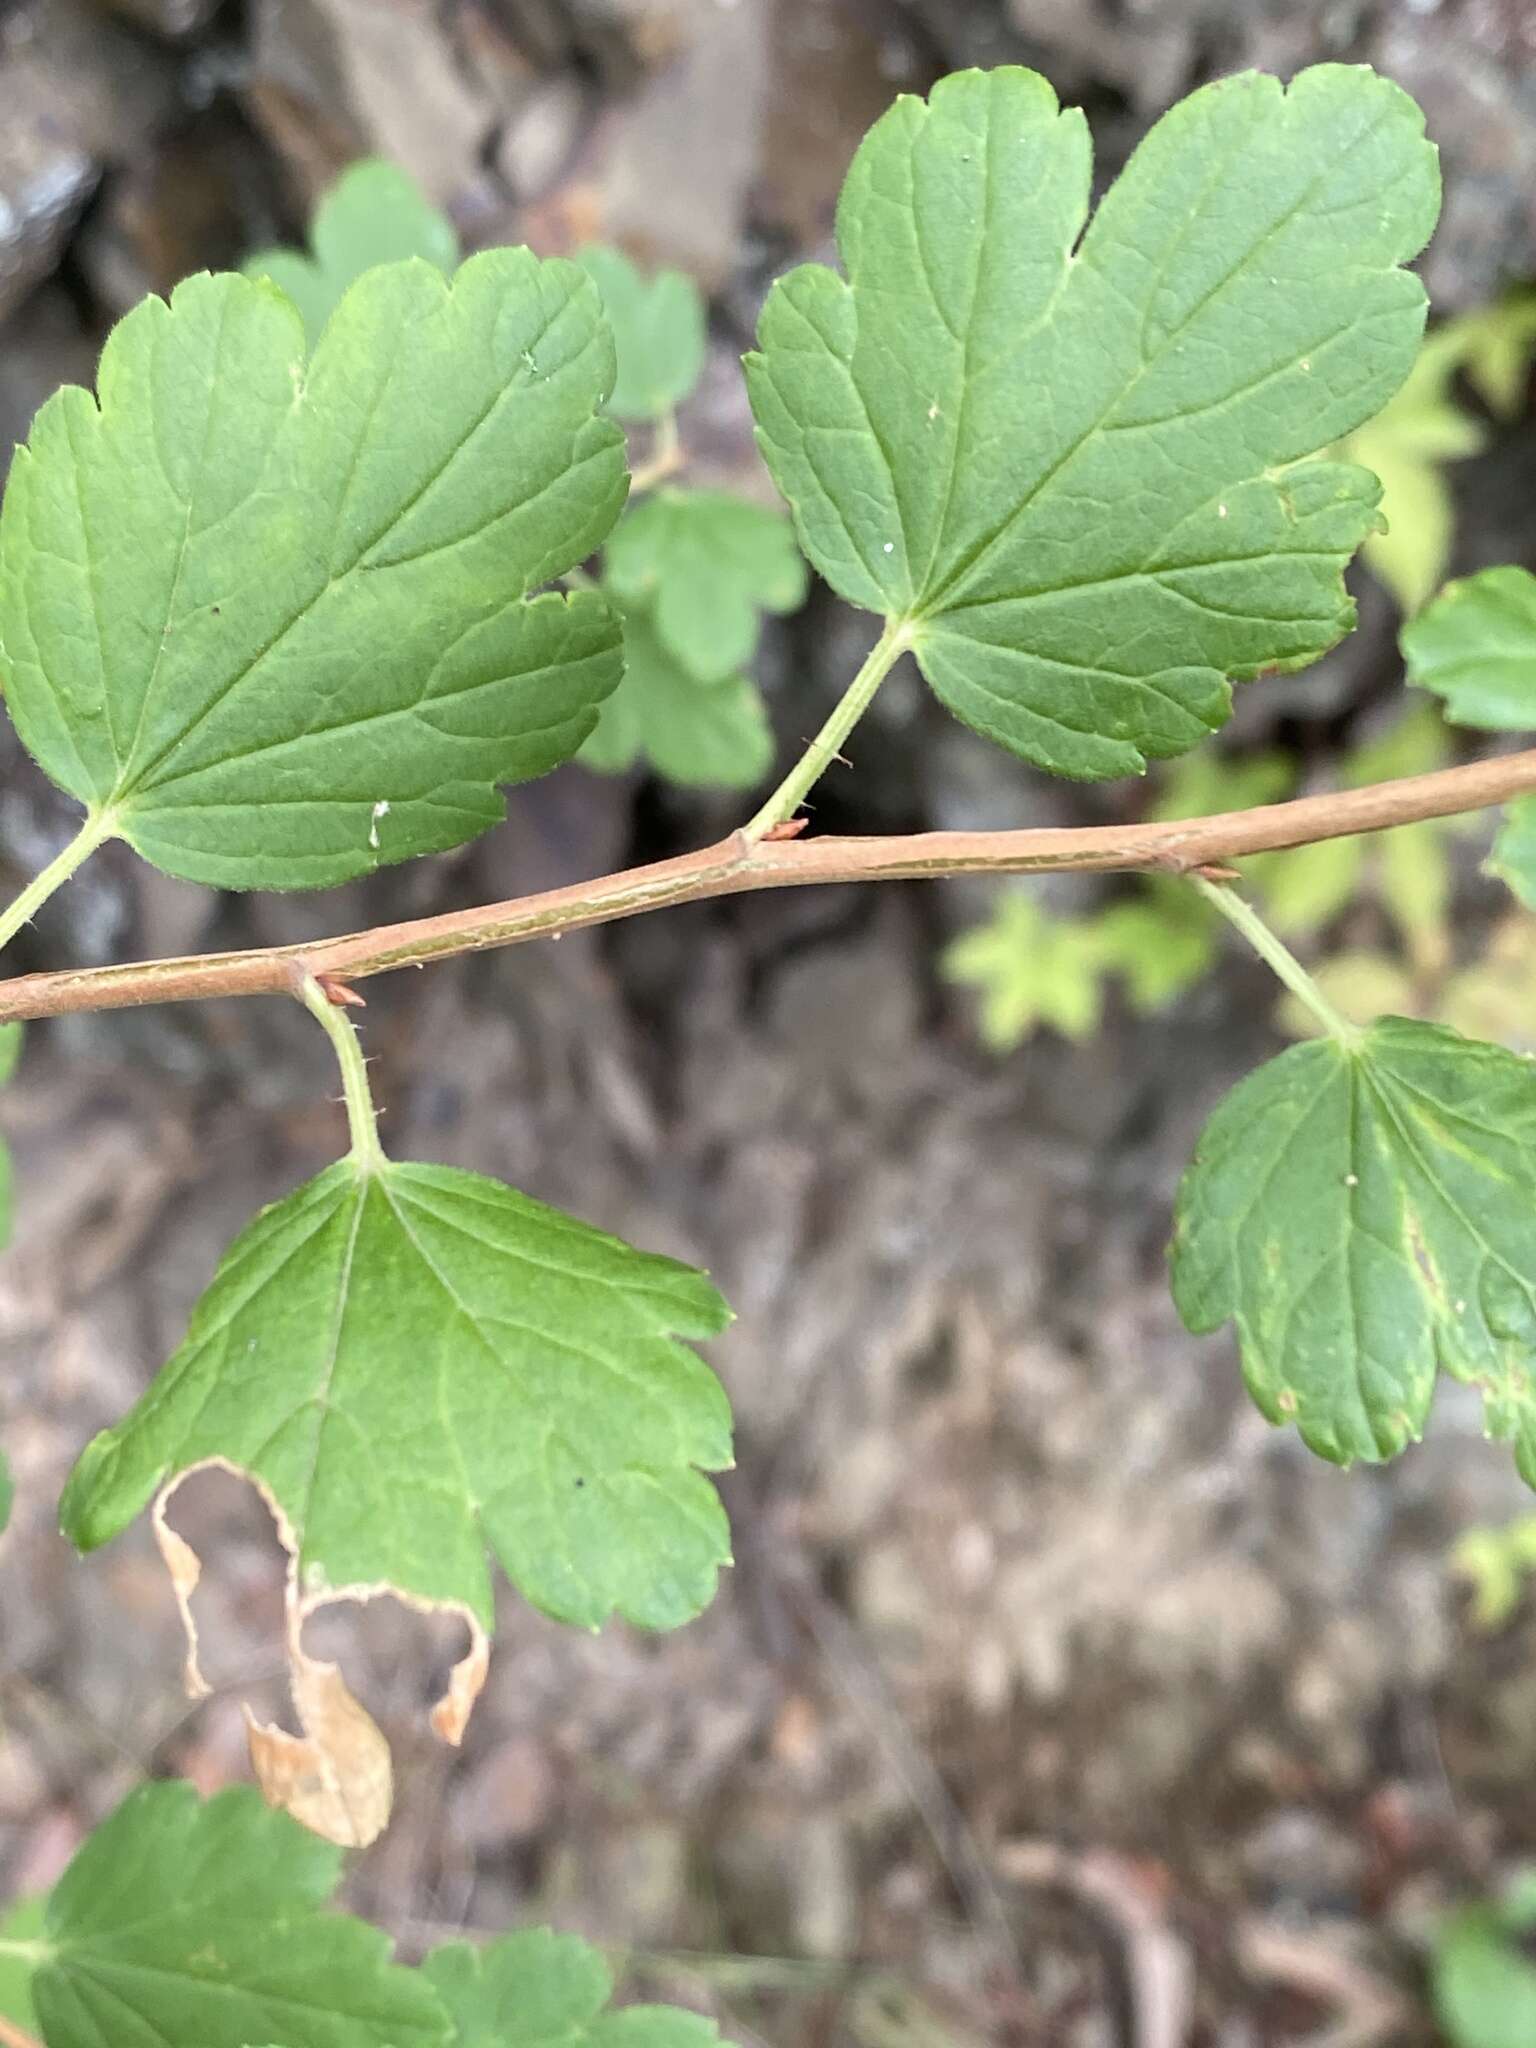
x=741 y=864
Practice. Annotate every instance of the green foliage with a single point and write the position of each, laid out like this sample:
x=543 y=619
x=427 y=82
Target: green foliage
x=658 y=330
x=373 y=214
x=1475 y=647
x=692 y=572
x=1203 y=783
x=1513 y=858
x=180 y=1921
x=273 y=623
x=1496 y=1562
x=418 y=1362
x=542 y=1990
x=1419 y=428
x=714 y=734
x=1164 y=939
x=1408 y=871
x=1080 y=578
x=1031 y=969
x=1484 y=1981
x=20 y=1930
x=1423 y=427
x=1361 y=1212
x=704 y=565
x=269 y=609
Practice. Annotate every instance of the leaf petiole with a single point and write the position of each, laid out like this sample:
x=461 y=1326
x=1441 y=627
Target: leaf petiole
x=1286 y=966
x=362 y=1117
x=824 y=749
x=98 y=825
x=666 y=458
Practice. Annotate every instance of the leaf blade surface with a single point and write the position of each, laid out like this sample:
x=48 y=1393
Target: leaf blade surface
x=1362 y=1216
x=419 y=1363
x=275 y=618
x=1085 y=474
x=183 y=1920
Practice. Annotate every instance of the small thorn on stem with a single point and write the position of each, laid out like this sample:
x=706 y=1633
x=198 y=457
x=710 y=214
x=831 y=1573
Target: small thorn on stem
x=787 y=828
x=340 y=993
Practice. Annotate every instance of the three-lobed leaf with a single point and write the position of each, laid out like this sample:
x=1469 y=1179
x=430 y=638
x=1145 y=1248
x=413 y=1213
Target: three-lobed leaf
x=270 y=619
x=417 y=1362
x=658 y=331
x=183 y=1921
x=537 y=1989
x=374 y=213
x=1362 y=1214
x=1080 y=476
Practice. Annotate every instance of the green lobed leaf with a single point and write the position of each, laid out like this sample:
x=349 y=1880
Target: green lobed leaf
x=1475 y=648
x=705 y=564
x=1030 y=969
x=537 y=1989
x=658 y=331
x=417 y=1363
x=374 y=213
x=1362 y=1214
x=273 y=619
x=1081 y=476
x=199 y=1923
x=713 y=735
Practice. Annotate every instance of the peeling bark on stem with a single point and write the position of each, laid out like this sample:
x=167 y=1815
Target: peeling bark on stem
x=739 y=864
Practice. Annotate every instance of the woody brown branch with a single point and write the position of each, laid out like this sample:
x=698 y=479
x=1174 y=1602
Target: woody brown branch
x=737 y=865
